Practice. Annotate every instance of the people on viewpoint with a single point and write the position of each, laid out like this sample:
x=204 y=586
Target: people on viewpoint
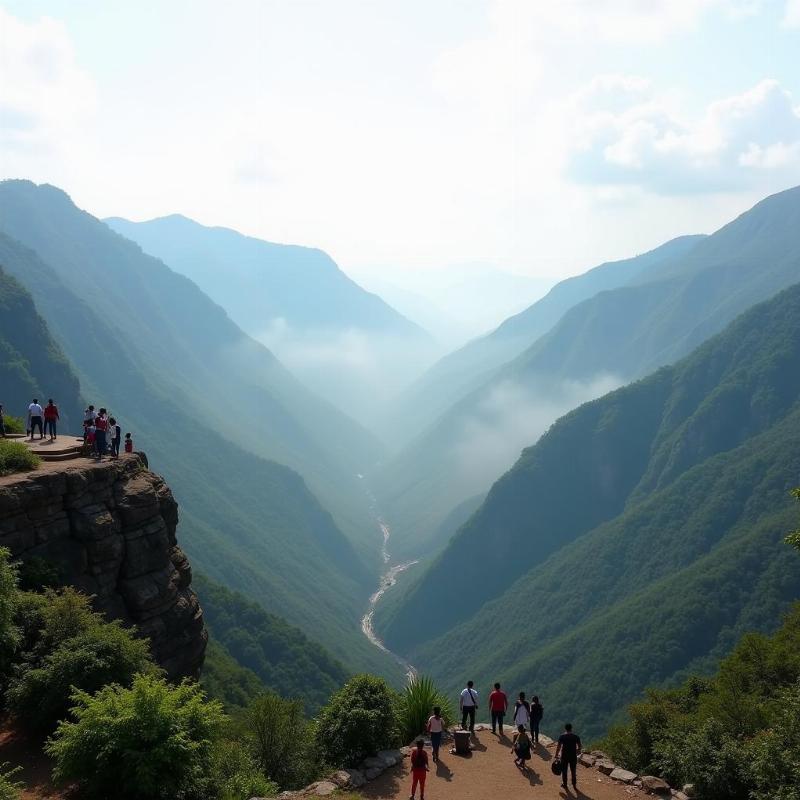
x=419 y=769
x=35 y=414
x=51 y=417
x=537 y=712
x=569 y=746
x=469 y=705
x=522 y=712
x=115 y=432
x=521 y=746
x=436 y=728
x=498 y=705
x=101 y=428
x=128 y=443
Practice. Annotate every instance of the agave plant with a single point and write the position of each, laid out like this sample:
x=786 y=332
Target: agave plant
x=416 y=706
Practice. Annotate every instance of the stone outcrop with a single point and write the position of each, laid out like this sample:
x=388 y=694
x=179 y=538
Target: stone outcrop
x=109 y=530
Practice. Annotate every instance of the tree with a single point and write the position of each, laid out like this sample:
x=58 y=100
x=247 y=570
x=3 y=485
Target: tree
x=150 y=741
x=9 y=631
x=416 y=705
x=359 y=720
x=794 y=538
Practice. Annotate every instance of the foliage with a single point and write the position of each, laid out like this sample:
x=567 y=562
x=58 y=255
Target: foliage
x=224 y=679
x=285 y=660
x=16 y=457
x=9 y=788
x=282 y=741
x=793 y=539
x=359 y=720
x=72 y=647
x=9 y=630
x=237 y=775
x=37 y=573
x=416 y=705
x=13 y=424
x=149 y=741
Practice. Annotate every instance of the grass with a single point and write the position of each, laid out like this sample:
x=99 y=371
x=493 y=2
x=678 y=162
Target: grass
x=16 y=457
x=13 y=424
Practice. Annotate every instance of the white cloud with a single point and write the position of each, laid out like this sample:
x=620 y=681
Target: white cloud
x=791 y=15
x=45 y=97
x=632 y=136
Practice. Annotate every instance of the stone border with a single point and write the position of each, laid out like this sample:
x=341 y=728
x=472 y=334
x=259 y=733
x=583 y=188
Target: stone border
x=597 y=759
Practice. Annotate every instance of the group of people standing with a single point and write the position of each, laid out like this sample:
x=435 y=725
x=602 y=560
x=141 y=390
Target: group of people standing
x=48 y=415
x=103 y=434
x=526 y=718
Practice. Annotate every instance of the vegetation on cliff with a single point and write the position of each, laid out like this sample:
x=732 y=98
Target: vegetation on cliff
x=16 y=457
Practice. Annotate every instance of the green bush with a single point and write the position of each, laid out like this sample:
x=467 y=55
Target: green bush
x=237 y=775
x=416 y=706
x=16 y=457
x=71 y=647
x=38 y=573
x=149 y=742
x=9 y=788
x=283 y=742
x=9 y=630
x=13 y=424
x=359 y=720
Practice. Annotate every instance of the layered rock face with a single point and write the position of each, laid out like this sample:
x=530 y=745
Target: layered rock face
x=109 y=529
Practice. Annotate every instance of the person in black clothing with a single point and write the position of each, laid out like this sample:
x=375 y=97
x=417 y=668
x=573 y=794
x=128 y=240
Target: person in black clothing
x=569 y=745
x=537 y=712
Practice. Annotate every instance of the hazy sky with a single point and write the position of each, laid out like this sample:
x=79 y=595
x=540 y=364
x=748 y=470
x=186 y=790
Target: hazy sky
x=537 y=135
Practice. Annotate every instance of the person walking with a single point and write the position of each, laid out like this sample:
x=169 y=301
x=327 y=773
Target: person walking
x=100 y=430
x=537 y=712
x=469 y=704
x=569 y=746
x=435 y=728
x=522 y=712
x=419 y=769
x=51 y=417
x=498 y=705
x=521 y=746
x=35 y=414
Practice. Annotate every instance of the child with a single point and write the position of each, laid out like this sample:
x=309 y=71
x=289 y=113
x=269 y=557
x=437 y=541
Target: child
x=419 y=769
x=90 y=436
x=521 y=747
x=115 y=432
x=128 y=443
x=435 y=729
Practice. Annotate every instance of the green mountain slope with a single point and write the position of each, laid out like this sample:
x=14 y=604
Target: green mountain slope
x=281 y=656
x=31 y=363
x=636 y=541
x=247 y=522
x=464 y=370
x=259 y=282
x=189 y=348
x=616 y=336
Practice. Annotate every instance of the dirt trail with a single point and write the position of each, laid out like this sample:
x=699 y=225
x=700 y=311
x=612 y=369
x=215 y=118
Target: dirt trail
x=489 y=774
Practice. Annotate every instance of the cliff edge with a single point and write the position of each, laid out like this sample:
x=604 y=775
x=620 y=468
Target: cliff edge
x=109 y=530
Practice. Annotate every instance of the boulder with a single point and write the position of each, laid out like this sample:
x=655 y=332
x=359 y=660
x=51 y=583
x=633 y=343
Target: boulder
x=654 y=785
x=372 y=772
x=605 y=766
x=341 y=778
x=689 y=790
x=324 y=788
x=587 y=759
x=373 y=762
x=390 y=757
x=623 y=775
x=357 y=778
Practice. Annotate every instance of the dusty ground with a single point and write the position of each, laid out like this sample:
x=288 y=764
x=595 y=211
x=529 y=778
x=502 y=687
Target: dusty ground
x=489 y=774
x=36 y=767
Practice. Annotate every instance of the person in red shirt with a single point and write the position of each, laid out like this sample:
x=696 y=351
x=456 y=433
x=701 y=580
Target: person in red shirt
x=498 y=705
x=419 y=769
x=128 y=443
x=51 y=416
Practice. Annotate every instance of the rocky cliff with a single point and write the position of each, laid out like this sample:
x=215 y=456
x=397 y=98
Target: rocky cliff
x=109 y=530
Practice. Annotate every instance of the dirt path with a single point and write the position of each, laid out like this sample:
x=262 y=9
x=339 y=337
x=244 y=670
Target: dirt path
x=489 y=774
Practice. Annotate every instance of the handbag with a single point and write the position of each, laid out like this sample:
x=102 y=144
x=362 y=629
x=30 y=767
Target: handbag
x=557 y=767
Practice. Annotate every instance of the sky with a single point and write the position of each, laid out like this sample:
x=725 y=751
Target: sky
x=539 y=137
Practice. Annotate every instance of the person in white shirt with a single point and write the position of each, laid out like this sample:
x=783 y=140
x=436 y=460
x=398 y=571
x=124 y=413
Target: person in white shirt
x=35 y=414
x=468 y=704
x=436 y=729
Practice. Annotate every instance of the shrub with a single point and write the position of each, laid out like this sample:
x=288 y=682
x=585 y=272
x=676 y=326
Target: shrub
x=16 y=457
x=13 y=424
x=70 y=647
x=237 y=775
x=416 y=706
x=9 y=788
x=282 y=740
x=9 y=631
x=359 y=720
x=150 y=741
x=38 y=573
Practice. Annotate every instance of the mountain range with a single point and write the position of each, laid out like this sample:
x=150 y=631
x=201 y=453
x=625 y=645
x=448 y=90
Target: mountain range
x=658 y=315
x=634 y=542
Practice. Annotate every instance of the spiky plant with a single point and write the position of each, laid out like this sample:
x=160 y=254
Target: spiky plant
x=416 y=706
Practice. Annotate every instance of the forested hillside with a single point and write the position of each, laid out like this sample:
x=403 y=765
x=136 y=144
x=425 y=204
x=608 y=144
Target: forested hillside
x=636 y=541
x=614 y=337
x=281 y=656
x=31 y=363
x=458 y=373
x=246 y=521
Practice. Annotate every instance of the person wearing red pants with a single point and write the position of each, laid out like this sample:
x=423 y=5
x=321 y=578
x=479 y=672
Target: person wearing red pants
x=419 y=769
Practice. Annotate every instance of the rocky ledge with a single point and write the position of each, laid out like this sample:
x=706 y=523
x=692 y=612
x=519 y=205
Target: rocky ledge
x=109 y=530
